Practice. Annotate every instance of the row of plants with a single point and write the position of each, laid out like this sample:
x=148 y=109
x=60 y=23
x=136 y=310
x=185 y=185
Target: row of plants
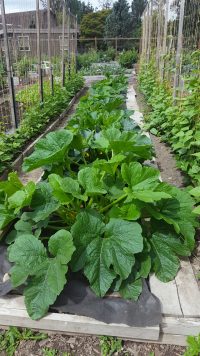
x=178 y=125
x=100 y=210
x=36 y=117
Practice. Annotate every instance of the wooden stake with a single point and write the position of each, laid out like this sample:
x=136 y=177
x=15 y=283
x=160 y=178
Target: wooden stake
x=164 y=47
x=49 y=45
x=63 y=45
x=9 y=69
x=179 y=49
x=39 y=51
x=69 y=43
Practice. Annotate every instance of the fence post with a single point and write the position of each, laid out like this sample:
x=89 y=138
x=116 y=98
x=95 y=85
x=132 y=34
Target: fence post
x=49 y=45
x=63 y=45
x=69 y=43
x=76 y=42
x=164 y=47
x=95 y=39
x=149 y=28
x=9 y=69
x=116 y=46
x=39 y=51
x=179 y=48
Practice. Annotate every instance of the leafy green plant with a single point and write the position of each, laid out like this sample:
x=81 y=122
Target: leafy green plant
x=178 y=125
x=110 y=345
x=10 y=339
x=100 y=210
x=193 y=348
x=35 y=119
x=128 y=58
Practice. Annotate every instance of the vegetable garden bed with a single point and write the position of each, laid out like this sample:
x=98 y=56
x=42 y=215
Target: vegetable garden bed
x=181 y=316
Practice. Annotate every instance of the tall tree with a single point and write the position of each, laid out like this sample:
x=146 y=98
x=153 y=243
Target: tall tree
x=106 y=4
x=93 y=24
x=77 y=7
x=137 y=7
x=119 y=22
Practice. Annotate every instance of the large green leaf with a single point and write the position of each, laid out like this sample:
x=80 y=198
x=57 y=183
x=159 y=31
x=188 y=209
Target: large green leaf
x=22 y=197
x=28 y=253
x=44 y=288
x=142 y=183
x=177 y=212
x=121 y=241
x=47 y=275
x=49 y=150
x=123 y=142
x=131 y=288
x=6 y=216
x=65 y=189
x=111 y=165
x=165 y=262
x=12 y=185
x=87 y=227
x=43 y=202
x=91 y=181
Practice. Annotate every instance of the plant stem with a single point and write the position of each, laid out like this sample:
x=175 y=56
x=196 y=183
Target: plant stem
x=90 y=203
x=113 y=203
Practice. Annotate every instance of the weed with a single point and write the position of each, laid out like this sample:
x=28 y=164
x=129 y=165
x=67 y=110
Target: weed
x=10 y=339
x=109 y=345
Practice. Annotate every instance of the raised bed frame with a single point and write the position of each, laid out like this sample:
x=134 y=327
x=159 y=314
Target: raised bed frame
x=179 y=299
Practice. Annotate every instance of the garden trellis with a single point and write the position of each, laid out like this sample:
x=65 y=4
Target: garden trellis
x=38 y=48
x=171 y=33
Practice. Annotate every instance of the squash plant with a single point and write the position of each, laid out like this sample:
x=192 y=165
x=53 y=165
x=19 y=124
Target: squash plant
x=100 y=209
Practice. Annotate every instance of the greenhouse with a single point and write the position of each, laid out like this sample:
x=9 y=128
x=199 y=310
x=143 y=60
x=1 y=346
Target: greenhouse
x=100 y=177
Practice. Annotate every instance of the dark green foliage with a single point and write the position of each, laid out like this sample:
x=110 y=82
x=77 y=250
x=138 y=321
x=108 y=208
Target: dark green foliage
x=119 y=22
x=128 y=58
x=137 y=7
x=93 y=24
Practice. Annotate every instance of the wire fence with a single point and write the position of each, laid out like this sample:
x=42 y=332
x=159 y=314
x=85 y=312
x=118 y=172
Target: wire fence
x=38 y=51
x=118 y=43
x=170 y=36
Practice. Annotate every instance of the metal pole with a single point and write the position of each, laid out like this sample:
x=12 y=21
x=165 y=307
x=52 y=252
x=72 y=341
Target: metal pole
x=9 y=69
x=49 y=45
x=95 y=39
x=179 y=48
x=146 y=31
x=63 y=45
x=164 y=47
x=39 y=51
x=69 y=43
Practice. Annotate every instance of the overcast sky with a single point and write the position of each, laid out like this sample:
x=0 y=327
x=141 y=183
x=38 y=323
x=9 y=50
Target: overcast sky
x=25 y=5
